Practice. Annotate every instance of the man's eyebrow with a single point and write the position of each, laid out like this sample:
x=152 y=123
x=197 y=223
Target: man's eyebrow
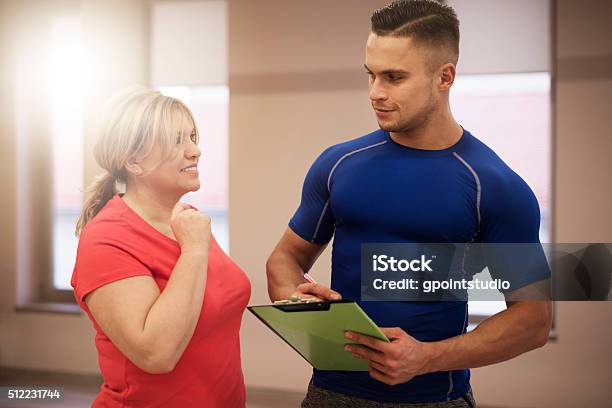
x=389 y=71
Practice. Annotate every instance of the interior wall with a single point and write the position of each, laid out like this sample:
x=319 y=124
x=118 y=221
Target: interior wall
x=574 y=370
x=188 y=43
x=7 y=159
x=524 y=50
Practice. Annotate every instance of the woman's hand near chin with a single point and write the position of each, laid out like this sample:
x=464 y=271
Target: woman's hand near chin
x=191 y=228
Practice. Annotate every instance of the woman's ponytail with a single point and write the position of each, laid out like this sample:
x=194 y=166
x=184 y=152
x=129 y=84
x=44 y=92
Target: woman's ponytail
x=99 y=193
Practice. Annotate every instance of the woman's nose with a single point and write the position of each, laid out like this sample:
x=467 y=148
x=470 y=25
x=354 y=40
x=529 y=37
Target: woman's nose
x=193 y=152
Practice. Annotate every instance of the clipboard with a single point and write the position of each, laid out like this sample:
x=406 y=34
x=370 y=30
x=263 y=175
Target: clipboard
x=315 y=330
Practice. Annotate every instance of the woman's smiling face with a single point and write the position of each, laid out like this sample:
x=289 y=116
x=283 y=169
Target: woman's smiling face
x=178 y=174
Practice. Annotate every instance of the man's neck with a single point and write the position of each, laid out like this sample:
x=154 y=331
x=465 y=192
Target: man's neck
x=440 y=132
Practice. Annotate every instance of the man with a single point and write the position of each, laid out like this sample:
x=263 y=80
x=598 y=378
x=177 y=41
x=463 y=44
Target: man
x=420 y=178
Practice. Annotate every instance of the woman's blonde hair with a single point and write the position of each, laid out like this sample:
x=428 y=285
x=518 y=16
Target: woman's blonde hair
x=131 y=124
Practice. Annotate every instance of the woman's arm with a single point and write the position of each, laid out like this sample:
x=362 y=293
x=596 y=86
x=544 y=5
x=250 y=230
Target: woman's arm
x=150 y=328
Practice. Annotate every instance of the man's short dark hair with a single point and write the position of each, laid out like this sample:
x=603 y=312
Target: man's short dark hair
x=427 y=22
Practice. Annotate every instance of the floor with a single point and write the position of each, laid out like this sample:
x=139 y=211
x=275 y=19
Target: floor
x=80 y=390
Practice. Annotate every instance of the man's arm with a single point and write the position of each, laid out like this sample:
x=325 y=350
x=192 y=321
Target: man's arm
x=523 y=326
x=290 y=260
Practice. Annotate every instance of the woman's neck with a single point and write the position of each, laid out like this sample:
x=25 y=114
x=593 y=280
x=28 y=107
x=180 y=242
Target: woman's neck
x=153 y=208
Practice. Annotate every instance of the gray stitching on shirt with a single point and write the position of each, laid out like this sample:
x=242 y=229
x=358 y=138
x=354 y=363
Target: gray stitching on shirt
x=478 y=196
x=465 y=320
x=320 y=220
x=478 y=186
x=450 y=373
x=329 y=183
x=347 y=155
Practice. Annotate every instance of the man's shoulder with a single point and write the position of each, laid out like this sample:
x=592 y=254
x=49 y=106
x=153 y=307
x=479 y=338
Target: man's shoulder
x=486 y=163
x=498 y=181
x=336 y=152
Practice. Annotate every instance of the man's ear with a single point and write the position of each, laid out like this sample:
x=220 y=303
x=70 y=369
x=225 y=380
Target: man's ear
x=447 y=75
x=133 y=167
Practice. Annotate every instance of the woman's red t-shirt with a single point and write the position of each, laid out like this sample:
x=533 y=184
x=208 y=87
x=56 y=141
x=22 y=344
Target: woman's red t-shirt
x=118 y=244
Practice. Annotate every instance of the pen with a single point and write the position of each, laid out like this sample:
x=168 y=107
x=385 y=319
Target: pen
x=309 y=278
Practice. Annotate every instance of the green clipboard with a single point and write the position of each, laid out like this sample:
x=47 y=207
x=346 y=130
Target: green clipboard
x=316 y=330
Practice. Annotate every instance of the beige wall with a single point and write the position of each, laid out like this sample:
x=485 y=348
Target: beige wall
x=296 y=88
x=576 y=369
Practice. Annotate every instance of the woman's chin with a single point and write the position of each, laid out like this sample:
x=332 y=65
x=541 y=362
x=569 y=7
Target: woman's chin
x=185 y=188
x=195 y=187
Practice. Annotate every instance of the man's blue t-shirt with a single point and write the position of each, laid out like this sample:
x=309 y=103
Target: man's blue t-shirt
x=372 y=189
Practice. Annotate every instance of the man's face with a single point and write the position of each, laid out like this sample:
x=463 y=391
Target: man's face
x=402 y=86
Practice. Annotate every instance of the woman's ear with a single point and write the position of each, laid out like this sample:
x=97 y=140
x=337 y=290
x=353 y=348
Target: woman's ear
x=133 y=167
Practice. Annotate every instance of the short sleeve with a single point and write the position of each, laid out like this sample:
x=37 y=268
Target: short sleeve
x=510 y=211
x=510 y=231
x=103 y=258
x=313 y=220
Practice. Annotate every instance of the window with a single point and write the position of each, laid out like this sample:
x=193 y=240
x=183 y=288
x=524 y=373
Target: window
x=189 y=62
x=179 y=56
x=49 y=165
x=511 y=114
x=210 y=108
x=67 y=144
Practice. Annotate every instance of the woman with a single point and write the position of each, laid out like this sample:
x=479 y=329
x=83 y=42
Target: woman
x=165 y=301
